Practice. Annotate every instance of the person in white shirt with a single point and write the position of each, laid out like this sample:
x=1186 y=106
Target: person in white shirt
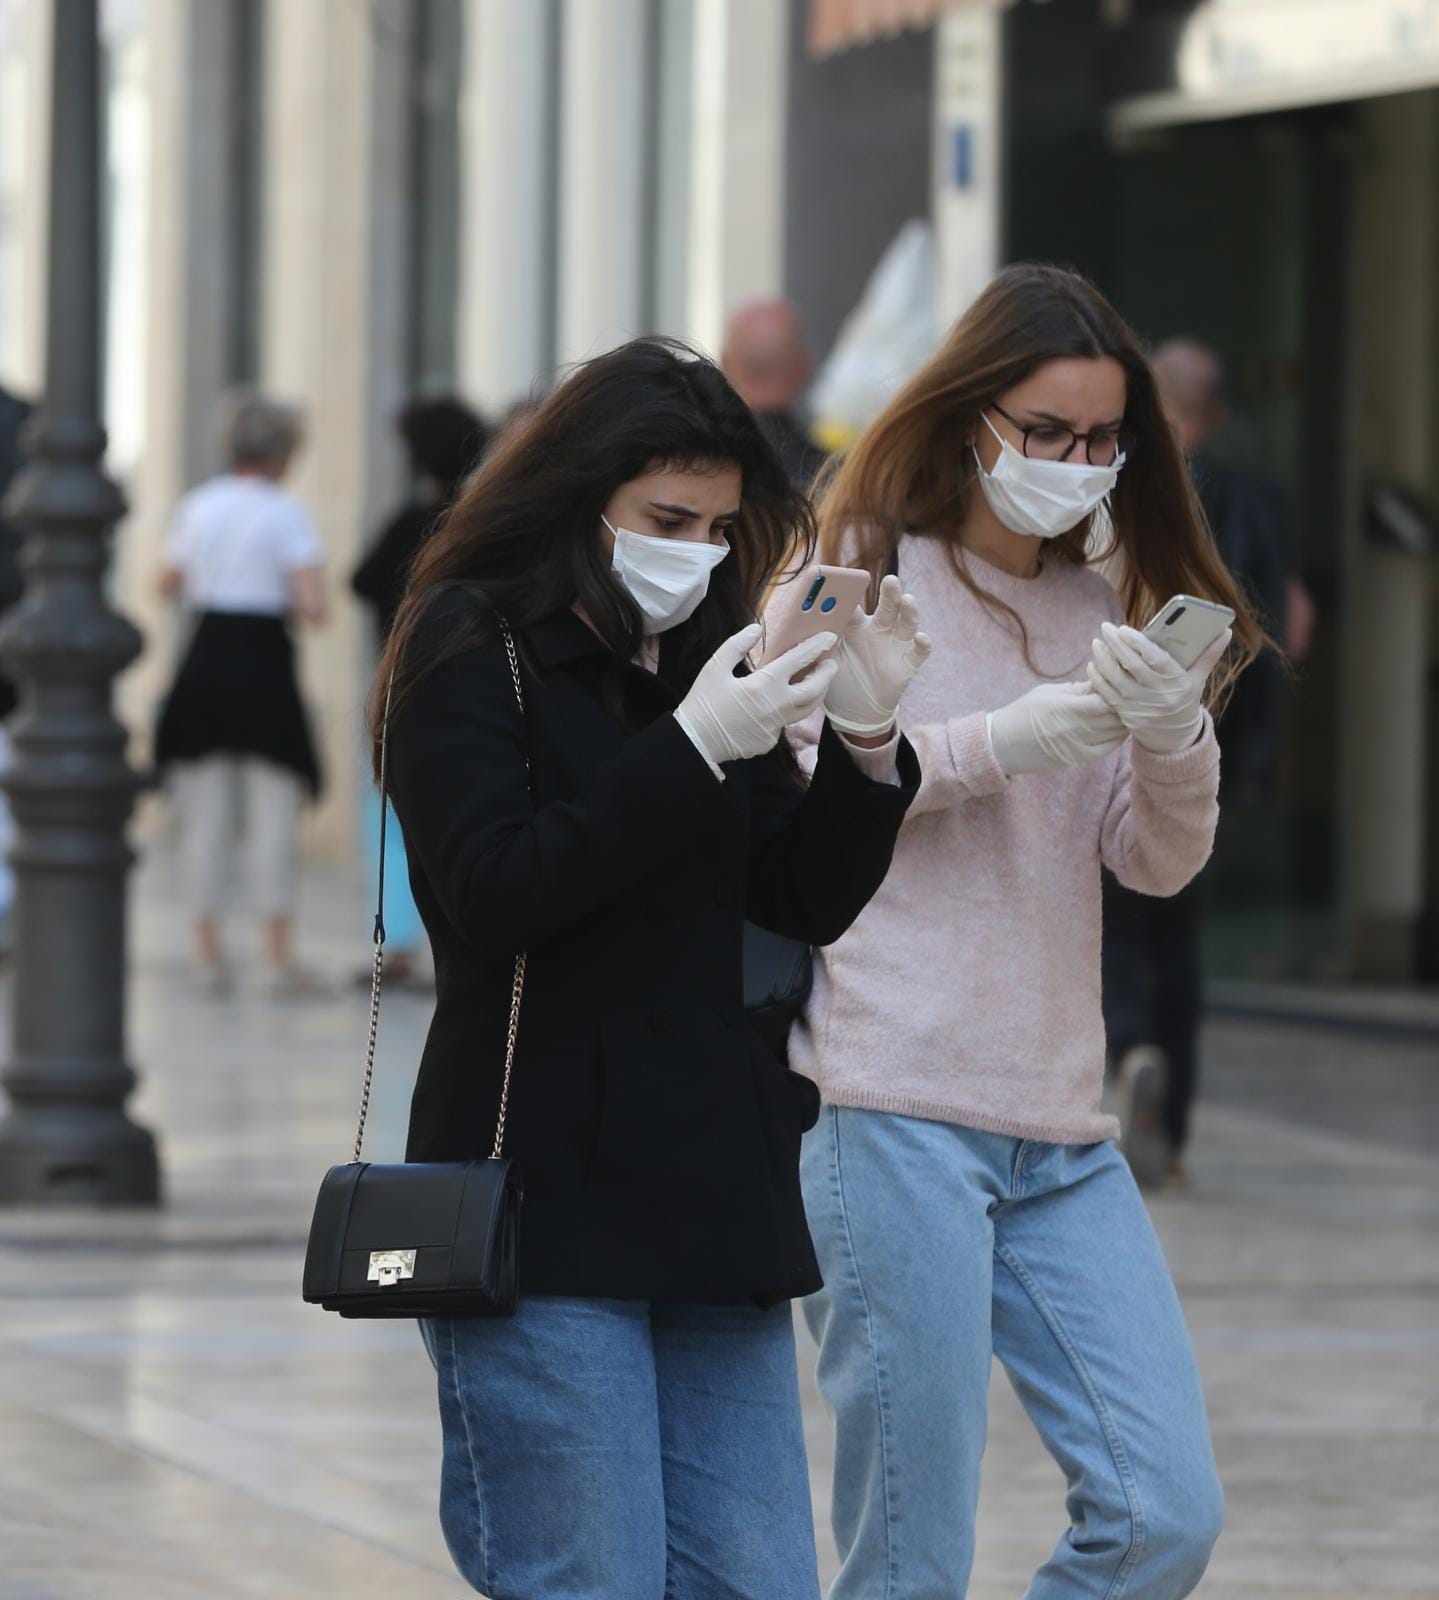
x=245 y=560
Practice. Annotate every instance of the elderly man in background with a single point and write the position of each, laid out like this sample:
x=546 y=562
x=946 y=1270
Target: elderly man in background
x=768 y=360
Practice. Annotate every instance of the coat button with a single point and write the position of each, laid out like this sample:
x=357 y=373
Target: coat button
x=662 y=1019
x=732 y=1013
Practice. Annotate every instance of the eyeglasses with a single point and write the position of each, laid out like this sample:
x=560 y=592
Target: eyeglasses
x=1048 y=441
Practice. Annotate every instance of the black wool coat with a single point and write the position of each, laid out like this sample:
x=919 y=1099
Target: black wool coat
x=658 y=1137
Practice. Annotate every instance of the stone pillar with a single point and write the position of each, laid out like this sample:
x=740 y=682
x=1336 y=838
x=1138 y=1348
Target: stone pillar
x=25 y=38
x=967 y=163
x=508 y=273
x=335 y=228
x=604 y=175
x=190 y=267
x=1387 y=628
x=67 y=1138
x=739 y=89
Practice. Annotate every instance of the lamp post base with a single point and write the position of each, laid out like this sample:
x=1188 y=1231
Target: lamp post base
x=76 y=1156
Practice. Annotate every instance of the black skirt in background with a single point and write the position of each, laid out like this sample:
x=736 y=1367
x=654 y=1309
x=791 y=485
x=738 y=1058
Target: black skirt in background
x=236 y=693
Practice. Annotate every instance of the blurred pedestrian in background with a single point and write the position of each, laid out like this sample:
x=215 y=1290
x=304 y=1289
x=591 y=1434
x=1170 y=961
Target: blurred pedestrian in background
x=245 y=561
x=444 y=439
x=614 y=801
x=962 y=1183
x=768 y=361
x=14 y=414
x=1153 y=960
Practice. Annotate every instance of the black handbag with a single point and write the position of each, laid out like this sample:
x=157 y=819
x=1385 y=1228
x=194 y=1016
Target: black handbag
x=417 y=1239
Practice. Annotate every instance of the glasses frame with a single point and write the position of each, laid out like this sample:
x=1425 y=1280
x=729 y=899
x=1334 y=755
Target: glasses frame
x=1124 y=439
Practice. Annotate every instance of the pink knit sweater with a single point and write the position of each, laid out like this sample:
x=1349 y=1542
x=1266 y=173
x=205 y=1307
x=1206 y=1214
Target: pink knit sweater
x=968 y=991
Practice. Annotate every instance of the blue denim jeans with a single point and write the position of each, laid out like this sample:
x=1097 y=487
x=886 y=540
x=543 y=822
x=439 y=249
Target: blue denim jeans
x=611 y=1448
x=942 y=1247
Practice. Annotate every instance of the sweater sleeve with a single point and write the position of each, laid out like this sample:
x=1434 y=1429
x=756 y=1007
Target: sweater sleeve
x=1159 y=826
x=818 y=855
x=956 y=762
x=508 y=875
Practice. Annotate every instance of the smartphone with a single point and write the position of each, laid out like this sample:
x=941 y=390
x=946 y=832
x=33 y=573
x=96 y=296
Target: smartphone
x=820 y=600
x=1186 y=627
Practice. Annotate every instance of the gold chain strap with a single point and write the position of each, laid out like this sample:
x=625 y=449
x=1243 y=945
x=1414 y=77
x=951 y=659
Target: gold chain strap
x=517 y=988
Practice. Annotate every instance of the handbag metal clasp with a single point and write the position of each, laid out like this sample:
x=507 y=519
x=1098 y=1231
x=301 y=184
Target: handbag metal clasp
x=387 y=1267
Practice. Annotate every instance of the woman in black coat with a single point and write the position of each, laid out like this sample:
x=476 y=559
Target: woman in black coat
x=634 y=1431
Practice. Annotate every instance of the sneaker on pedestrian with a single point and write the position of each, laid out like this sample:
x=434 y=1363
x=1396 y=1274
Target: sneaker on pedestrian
x=1140 y=1094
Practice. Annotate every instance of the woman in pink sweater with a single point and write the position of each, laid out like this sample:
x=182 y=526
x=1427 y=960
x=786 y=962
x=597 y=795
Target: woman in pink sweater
x=963 y=1186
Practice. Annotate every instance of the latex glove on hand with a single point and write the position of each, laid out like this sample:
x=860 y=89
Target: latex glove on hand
x=1160 y=702
x=1053 y=726
x=731 y=719
x=882 y=651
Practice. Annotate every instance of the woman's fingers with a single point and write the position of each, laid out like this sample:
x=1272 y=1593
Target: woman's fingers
x=886 y=611
x=1213 y=655
x=1111 y=671
x=809 y=692
x=802 y=656
x=907 y=624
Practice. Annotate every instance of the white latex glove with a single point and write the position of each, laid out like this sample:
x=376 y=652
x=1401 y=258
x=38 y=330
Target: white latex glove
x=1160 y=702
x=882 y=652
x=1053 y=726
x=731 y=719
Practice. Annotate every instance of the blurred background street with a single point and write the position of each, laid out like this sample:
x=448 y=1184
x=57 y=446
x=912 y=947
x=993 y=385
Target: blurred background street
x=175 y=1423
x=399 y=222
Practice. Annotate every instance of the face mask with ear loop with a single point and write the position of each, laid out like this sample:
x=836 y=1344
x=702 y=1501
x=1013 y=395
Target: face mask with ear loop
x=1043 y=499
x=666 y=578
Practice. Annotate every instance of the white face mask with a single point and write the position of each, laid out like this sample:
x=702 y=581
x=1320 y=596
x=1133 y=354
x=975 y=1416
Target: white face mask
x=1042 y=498
x=666 y=578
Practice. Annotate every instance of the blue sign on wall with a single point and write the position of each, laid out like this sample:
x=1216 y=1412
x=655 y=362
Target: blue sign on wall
x=961 y=165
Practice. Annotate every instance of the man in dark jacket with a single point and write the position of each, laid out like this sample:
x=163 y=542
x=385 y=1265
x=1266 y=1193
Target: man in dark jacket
x=1153 y=979
x=769 y=363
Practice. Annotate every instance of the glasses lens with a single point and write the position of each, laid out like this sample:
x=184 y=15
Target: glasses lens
x=1048 y=444
x=1103 y=449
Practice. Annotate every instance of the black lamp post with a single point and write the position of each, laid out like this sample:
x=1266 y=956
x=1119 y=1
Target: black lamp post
x=67 y=1138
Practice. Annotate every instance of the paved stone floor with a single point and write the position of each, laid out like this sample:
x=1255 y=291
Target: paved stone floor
x=176 y=1425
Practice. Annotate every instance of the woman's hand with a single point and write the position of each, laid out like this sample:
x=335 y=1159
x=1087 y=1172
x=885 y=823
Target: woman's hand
x=1160 y=702
x=1051 y=727
x=882 y=652
x=731 y=719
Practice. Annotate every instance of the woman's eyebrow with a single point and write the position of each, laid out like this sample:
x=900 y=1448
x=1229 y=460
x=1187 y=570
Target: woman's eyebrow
x=1064 y=422
x=685 y=511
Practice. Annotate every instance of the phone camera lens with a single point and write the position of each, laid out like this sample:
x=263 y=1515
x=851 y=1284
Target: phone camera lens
x=1174 y=616
x=813 y=595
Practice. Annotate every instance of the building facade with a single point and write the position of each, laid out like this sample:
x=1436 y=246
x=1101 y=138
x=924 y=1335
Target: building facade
x=350 y=202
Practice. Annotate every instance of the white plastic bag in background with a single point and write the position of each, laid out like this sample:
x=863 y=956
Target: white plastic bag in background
x=885 y=340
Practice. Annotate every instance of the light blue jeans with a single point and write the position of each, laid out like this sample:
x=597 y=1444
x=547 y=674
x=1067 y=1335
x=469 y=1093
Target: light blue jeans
x=941 y=1247
x=621 y=1450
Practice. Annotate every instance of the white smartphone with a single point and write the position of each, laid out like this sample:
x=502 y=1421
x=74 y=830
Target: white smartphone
x=1187 y=626
x=820 y=600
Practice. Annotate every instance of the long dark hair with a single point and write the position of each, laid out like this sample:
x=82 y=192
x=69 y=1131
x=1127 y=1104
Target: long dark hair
x=911 y=471
x=524 y=537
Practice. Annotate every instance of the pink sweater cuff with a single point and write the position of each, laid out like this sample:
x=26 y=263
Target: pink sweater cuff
x=879 y=764
x=973 y=755
x=1183 y=766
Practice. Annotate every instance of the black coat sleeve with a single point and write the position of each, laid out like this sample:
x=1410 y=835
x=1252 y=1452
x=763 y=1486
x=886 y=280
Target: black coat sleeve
x=509 y=876
x=818 y=855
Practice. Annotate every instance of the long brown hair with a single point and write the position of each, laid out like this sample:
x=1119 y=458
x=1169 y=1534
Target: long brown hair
x=912 y=471
x=524 y=537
